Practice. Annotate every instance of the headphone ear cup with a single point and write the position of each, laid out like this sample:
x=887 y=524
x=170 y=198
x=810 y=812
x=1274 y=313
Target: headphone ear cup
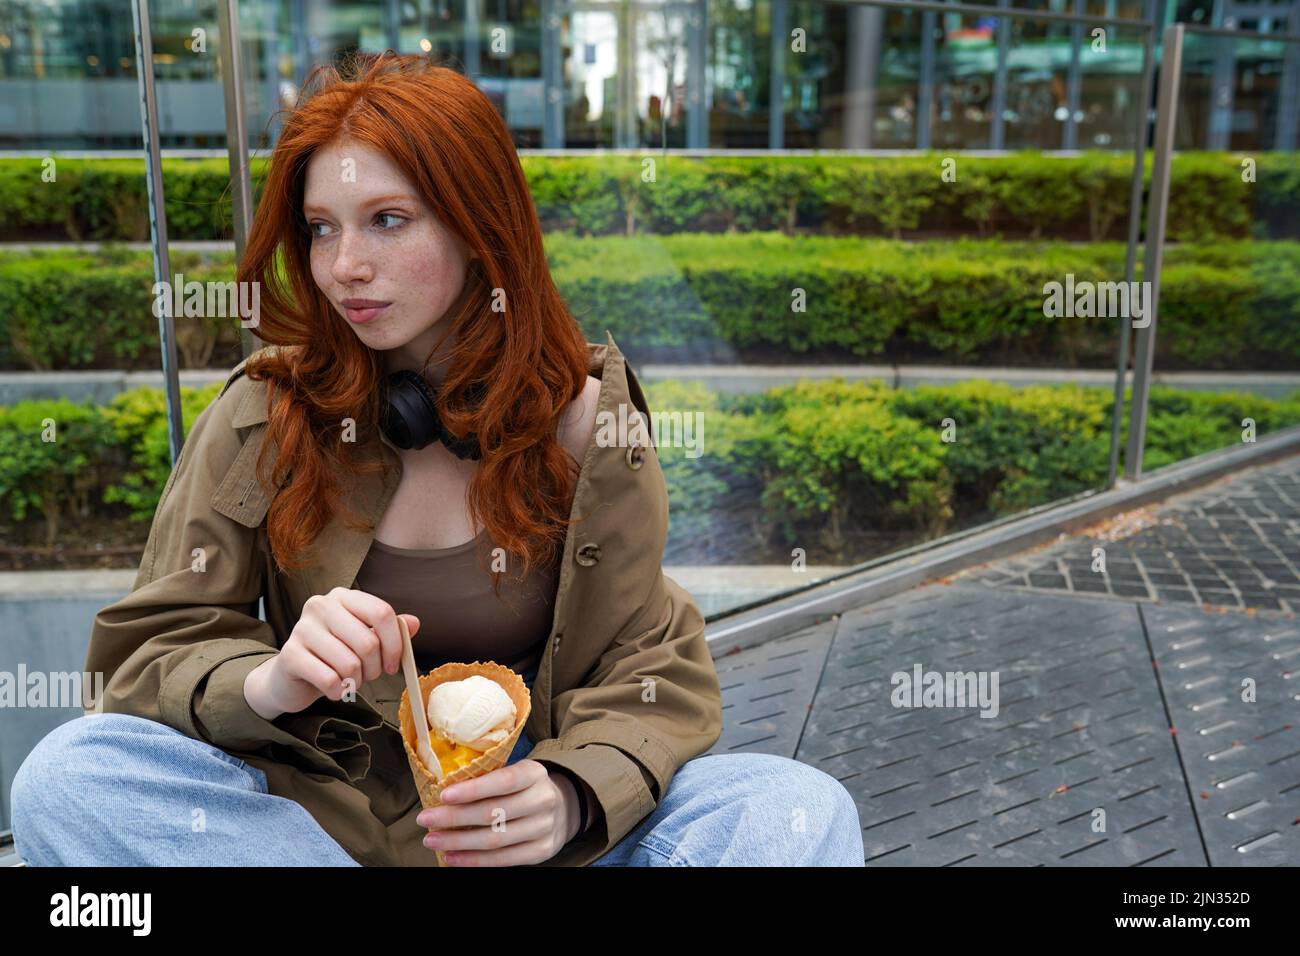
x=408 y=414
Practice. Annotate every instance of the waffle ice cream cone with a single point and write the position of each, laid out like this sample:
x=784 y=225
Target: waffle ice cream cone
x=426 y=783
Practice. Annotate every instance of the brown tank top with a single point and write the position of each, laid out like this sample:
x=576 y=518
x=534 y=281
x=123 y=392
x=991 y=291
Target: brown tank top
x=460 y=618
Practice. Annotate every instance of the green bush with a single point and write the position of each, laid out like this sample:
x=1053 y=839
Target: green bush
x=832 y=454
x=1010 y=449
x=1081 y=197
x=766 y=295
x=818 y=462
x=1181 y=424
x=138 y=418
x=824 y=458
x=50 y=461
x=70 y=310
x=697 y=478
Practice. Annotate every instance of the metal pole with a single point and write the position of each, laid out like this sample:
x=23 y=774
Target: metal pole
x=626 y=135
x=697 y=114
x=1143 y=112
x=232 y=82
x=553 y=87
x=1288 y=99
x=998 y=131
x=925 y=83
x=776 y=78
x=158 y=224
x=1158 y=205
x=1073 y=84
x=1218 y=132
x=469 y=41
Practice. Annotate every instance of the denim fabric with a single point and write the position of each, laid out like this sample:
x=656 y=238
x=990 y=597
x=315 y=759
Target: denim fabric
x=119 y=790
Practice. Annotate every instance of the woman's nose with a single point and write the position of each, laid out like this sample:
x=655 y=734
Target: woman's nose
x=352 y=260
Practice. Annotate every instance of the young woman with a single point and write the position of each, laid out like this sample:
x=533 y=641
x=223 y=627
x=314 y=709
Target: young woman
x=395 y=234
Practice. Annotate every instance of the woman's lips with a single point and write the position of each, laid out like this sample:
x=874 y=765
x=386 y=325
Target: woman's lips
x=363 y=310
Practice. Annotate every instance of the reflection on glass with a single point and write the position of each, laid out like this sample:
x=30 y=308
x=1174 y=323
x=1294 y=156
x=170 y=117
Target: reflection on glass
x=1111 y=89
x=1238 y=93
x=1037 y=106
x=894 y=116
x=660 y=84
x=509 y=64
x=967 y=60
x=813 y=83
x=739 y=73
x=592 y=91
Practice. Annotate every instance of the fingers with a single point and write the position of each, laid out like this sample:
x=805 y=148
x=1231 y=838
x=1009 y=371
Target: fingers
x=344 y=618
x=314 y=671
x=383 y=646
x=533 y=799
x=512 y=778
x=517 y=854
x=528 y=828
x=353 y=635
x=535 y=830
x=342 y=662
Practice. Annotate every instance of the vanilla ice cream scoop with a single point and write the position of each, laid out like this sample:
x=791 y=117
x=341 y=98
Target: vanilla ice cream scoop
x=475 y=712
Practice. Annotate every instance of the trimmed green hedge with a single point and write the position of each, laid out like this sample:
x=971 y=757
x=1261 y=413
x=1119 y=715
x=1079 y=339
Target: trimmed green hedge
x=51 y=461
x=1027 y=193
x=93 y=309
x=707 y=297
x=60 y=459
x=818 y=463
x=828 y=462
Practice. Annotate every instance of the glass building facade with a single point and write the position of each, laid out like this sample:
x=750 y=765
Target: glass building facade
x=694 y=74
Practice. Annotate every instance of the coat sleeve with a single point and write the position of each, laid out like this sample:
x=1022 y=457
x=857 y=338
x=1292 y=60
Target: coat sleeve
x=650 y=700
x=177 y=648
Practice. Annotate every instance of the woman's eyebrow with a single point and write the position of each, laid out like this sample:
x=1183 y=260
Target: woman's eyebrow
x=308 y=210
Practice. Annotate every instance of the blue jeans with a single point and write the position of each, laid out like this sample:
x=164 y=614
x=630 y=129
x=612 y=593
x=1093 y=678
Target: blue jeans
x=720 y=809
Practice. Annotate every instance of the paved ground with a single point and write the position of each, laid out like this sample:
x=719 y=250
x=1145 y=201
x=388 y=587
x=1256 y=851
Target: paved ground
x=1235 y=543
x=1146 y=715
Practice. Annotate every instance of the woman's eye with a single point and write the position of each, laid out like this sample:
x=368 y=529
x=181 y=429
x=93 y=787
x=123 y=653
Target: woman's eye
x=397 y=223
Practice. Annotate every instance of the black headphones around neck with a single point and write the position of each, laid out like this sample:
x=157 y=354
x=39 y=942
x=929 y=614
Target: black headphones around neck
x=408 y=416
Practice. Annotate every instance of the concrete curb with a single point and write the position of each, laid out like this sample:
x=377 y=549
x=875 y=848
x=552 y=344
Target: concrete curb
x=101 y=386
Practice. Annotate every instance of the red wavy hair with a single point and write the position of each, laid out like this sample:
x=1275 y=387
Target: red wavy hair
x=452 y=144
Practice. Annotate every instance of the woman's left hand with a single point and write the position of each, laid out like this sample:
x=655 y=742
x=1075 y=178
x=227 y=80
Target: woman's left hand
x=515 y=815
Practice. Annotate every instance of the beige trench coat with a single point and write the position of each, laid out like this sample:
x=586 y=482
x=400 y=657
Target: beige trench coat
x=626 y=690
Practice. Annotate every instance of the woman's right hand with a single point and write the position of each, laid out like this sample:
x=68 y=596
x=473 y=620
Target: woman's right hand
x=344 y=639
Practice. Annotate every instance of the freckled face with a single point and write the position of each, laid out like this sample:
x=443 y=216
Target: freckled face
x=378 y=252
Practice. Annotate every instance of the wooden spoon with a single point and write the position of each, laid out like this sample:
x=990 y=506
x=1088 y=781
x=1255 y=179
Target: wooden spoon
x=424 y=746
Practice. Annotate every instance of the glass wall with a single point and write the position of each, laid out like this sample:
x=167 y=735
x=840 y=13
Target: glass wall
x=878 y=349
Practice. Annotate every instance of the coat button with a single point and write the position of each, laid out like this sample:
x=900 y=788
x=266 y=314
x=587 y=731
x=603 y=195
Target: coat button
x=588 y=555
x=635 y=456
x=556 y=646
